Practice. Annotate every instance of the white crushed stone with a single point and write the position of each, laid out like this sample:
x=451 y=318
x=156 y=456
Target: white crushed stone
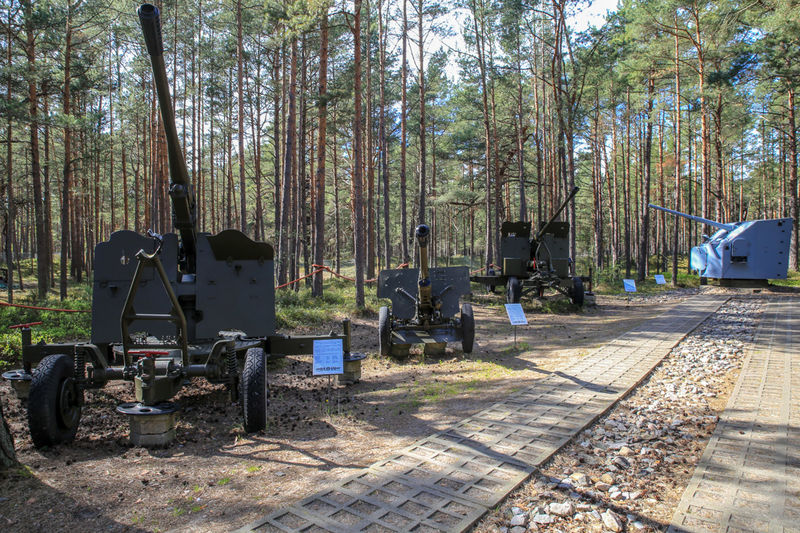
x=628 y=458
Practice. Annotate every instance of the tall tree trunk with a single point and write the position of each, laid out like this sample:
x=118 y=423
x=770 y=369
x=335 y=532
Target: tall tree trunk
x=479 y=44
x=302 y=178
x=33 y=109
x=48 y=211
x=383 y=141
x=704 y=129
x=677 y=206
x=11 y=210
x=523 y=205
x=597 y=186
x=336 y=211
x=648 y=143
x=404 y=138
x=720 y=207
x=626 y=194
x=793 y=199
x=240 y=117
x=369 y=153
x=319 y=211
x=358 y=193
x=288 y=168
x=276 y=136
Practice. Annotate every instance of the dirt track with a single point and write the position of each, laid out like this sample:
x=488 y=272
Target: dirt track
x=216 y=478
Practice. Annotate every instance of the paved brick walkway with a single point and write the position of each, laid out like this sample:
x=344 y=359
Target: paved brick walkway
x=447 y=481
x=748 y=478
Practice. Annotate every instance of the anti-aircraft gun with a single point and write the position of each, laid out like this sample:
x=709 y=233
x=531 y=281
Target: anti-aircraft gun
x=167 y=308
x=530 y=265
x=749 y=250
x=424 y=306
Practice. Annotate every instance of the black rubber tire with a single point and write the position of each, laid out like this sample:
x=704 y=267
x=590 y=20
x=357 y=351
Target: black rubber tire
x=384 y=331
x=255 y=390
x=467 y=328
x=54 y=403
x=513 y=290
x=576 y=293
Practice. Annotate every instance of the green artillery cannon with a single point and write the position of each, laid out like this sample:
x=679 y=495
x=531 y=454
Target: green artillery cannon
x=166 y=308
x=532 y=265
x=424 y=306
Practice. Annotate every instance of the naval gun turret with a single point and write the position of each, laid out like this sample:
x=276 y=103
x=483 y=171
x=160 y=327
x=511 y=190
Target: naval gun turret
x=747 y=250
x=425 y=302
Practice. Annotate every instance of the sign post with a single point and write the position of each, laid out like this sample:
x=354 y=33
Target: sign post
x=328 y=357
x=328 y=361
x=660 y=279
x=516 y=316
x=630 y=286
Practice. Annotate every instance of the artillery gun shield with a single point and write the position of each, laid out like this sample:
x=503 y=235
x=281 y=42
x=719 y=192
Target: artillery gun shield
x=425 y=302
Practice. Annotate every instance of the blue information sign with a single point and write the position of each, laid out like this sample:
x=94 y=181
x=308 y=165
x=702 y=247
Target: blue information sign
x=328 y=357
x=516 y=315
x=629 y=284
x=660 y=279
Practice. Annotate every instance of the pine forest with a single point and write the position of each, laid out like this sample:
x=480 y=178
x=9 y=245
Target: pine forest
x=332 y=129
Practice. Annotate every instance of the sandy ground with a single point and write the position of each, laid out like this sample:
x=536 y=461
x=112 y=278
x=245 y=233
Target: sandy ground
x=214 y=477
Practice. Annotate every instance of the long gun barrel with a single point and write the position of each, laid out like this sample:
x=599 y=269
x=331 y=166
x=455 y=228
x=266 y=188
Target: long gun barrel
x=180 y=191
x=422 y=234
x=556 y=215
x=720 y=225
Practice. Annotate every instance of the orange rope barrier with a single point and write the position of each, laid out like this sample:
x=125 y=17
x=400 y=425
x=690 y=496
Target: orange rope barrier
x=6 y=304
x=484 y=268
x=299 y=279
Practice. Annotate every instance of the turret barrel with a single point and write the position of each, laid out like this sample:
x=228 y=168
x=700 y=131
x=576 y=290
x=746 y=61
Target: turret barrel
x=180 y=192
x=720 y=225
x=556 y=214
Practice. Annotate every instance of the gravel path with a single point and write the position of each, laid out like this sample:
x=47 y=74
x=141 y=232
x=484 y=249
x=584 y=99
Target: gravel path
x=628 y=471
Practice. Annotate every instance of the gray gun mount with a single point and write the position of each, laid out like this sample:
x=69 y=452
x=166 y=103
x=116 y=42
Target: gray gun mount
x=748 y=250
x=530 y=265
x=166 y=309
x=425 y=302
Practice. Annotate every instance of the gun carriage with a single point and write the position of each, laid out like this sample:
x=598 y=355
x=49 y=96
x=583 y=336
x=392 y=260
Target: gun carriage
x=166 y=308
x=530 y=265
x=737 y=251
x=425 y=302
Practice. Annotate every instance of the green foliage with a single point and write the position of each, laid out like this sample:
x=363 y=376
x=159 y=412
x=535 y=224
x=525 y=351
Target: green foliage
x=609 y=280
x=296 y=309
x=57 y=326
x=792 y=280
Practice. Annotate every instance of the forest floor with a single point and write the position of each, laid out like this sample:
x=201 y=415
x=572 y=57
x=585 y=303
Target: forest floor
x=214 y=477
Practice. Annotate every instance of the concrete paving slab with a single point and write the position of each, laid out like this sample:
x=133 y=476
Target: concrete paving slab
x=748 y=478
x=447 y=481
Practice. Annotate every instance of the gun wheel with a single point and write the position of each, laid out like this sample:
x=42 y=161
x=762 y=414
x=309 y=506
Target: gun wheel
x=513 y=290
x=576 y=293
x=54 y=404
x=384 y=331
x=467 y=328
x=254 y=390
